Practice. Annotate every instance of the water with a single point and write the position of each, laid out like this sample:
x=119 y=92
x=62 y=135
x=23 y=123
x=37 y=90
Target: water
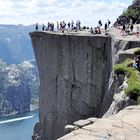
x=18 y=127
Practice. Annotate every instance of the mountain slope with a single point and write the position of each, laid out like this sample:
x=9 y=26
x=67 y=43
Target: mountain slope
x=19 y=87
x=132 y=12
x=15 y=44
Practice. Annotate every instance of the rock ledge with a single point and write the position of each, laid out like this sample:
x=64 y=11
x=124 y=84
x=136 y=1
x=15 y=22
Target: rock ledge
x=123 y=126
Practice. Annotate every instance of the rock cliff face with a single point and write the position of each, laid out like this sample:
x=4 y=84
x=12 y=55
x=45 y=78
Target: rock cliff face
x=74 y=72
x=18 y=83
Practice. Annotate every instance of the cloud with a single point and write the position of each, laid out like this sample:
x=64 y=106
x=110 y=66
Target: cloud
x=43 y=3
x=89 y=11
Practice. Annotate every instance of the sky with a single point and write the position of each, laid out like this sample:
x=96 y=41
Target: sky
x=43 y=11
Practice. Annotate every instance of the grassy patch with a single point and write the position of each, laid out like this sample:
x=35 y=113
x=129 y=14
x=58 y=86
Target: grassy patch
x=132 y=75
x=137 y=51
x=123 y=67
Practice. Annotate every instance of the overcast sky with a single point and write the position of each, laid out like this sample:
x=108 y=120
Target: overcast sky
x=88 y=11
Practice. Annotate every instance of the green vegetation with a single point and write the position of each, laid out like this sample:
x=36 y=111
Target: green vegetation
x=130 y=12
x=133 y=78
x=122 y=68
x=137 y=51
x=133 y=11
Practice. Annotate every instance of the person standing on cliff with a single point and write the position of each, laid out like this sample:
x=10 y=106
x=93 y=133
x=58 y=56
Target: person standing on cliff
x=91 y=30
x=123 y=29
x=79 y=24
x=68 y=26
x=106 y=28
x=100 y=23
x=57 y=26
x=63 y=26
x=43 y=27
x=138 y=31
x=108 y=23
x=36 y=27
x=72 y=25
x=131 y=28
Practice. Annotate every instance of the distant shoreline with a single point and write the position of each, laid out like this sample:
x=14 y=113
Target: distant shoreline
x=17 y=115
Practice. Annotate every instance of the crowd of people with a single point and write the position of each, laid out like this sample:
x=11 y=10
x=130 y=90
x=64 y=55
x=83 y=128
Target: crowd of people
x=73 y=26
x=97 y=30
x=61 y=26
x=129 y=29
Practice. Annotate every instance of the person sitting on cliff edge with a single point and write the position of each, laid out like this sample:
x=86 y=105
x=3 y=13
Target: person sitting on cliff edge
x=136 y=63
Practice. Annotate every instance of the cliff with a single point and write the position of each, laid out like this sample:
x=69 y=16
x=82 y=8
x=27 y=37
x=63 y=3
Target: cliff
x=76 y=76
x=113 y=125
x=74 y=71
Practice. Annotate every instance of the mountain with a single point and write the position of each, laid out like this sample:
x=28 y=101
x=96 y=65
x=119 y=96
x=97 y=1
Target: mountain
x=15 y=44
x=19 y=87
x=132 y=12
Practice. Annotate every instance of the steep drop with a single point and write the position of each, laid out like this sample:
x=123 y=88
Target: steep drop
x=74 y=77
